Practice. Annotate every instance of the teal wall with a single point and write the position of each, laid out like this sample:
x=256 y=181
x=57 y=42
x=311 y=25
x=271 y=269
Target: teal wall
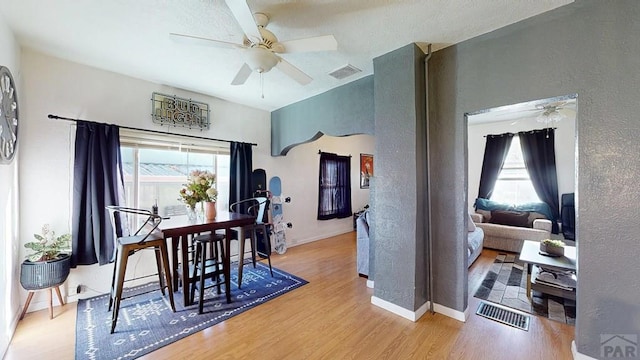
x=346 y=110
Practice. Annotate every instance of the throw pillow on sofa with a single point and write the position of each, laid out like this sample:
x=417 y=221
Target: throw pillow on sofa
x=486 y=215
x=486 y=204
x=471 y=226
x=542 y=210
x=534 y=216
x=511 y=218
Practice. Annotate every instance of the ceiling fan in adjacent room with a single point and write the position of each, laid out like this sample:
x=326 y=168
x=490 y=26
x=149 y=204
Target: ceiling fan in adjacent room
x=260 y=47
x=544 y=112
x=554 y=111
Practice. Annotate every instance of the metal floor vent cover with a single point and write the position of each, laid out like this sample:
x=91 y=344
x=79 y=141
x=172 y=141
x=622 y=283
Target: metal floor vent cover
x=504 y=315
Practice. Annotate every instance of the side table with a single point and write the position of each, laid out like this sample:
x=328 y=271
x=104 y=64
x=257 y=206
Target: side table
x=530 y=255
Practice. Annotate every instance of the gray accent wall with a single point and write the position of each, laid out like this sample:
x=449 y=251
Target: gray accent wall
x=400 y=178
x=448 y=169
x=346 y=110
x=591 y=48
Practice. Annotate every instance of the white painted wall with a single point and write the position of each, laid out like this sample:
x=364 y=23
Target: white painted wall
x=55 y=86
x=299 y=171
x=565 y=141
x=9 y=245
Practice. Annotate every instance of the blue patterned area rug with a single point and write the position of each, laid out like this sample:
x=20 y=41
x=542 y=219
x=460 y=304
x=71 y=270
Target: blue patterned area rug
x=146 y=322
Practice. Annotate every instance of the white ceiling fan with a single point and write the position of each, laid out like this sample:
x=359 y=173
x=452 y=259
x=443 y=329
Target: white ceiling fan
x=554 y=111
x=260 y=47
x=548 y=112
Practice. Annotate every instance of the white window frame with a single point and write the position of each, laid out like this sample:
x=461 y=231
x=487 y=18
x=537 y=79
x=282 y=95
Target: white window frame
x=514 y=166
x=138 y=139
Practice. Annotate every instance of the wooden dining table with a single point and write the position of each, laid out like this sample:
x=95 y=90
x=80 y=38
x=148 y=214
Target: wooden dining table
x=177 y=231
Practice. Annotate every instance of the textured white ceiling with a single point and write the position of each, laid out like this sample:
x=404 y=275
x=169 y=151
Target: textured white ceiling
x=131 y=37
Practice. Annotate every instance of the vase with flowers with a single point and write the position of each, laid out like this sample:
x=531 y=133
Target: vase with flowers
x=200 y=188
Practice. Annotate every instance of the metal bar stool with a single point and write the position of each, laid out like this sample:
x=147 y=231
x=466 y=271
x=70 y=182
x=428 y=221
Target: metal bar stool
x=256 y=207
x=207 y=264
x=146 y=237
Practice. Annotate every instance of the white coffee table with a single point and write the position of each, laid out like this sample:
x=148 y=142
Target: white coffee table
x=530 y=255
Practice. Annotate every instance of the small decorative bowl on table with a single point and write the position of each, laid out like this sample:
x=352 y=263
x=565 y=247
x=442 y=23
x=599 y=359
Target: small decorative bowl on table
x=550 y=247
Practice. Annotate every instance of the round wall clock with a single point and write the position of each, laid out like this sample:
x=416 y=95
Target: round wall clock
x=8 y=116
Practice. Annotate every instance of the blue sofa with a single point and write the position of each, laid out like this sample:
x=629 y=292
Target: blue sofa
x=362 y=243
x=475 y=241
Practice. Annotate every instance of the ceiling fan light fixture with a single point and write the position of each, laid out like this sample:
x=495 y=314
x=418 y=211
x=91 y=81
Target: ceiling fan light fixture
x=551 y=114
x=260 y=46
x=268 y=38
x=260 y=59
x=261 y=19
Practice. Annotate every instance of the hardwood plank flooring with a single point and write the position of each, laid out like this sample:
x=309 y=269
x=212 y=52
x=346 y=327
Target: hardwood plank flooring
x=330 y=318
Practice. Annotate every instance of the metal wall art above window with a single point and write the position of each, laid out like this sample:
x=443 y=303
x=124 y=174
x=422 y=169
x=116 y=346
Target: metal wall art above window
x=174 y=111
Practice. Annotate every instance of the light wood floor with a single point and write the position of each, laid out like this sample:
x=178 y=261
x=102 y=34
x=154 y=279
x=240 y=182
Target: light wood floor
x=330 y=318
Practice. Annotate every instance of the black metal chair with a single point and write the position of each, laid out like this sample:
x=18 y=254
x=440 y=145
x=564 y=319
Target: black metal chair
x=260 y=244
x=568 y=216
x=145 y=237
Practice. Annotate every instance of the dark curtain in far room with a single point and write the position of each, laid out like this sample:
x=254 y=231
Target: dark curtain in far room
x=539 y=155
x=334 y=187
x=495 y=153
x=97 y=182
x=240 y=169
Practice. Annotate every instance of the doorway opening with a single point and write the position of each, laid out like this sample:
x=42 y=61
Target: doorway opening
x=513 y=186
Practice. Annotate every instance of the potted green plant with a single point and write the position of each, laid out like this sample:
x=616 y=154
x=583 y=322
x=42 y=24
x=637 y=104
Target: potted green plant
x=552 y=247
x=49 y=262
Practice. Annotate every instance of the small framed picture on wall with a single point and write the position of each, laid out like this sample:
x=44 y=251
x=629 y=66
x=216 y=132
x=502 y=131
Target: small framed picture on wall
x=366 y=170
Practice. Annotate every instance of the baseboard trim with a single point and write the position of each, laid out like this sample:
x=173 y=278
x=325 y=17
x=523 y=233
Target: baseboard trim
x=4 y=346
x=415 y=315
x=422 y=310
x=454 y=314
x=319 y=237
x=370 y=284
x=577 y=355
x=399 y=310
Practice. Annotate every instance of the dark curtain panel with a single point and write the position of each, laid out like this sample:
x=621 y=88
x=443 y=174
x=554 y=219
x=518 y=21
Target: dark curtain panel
x=97 y=182
x=495 y=152
x=334 y=194
x=240 y=169
x=539 y=154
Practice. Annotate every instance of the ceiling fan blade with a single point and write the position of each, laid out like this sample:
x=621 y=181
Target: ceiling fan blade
x=318 y=43
x=293 y=72
x=196 y=40
x=243 y=15
x=242 y=75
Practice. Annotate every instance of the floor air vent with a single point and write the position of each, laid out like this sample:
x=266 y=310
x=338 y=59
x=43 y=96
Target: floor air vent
x=504 y=315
